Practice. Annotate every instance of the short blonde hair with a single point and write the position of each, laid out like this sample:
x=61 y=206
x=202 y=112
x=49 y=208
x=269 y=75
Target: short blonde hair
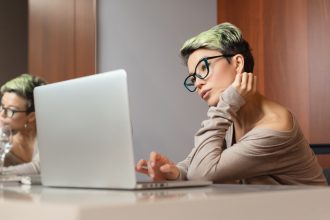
x=224 y=37
x=23 y=86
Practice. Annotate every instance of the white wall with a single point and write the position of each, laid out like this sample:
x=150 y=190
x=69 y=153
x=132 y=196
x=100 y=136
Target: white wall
x=144 y=37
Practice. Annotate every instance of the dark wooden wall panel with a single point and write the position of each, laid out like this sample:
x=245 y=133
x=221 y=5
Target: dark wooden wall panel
x=85 y=36
x=62 y=38
x=286 y=57
x=13 y=38
x=324 y=160
x=319 y=69
x=251 y=24
x=292 y=53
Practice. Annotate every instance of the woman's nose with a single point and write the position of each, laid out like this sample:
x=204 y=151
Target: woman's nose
x=2 y=118
x=199 y=83
x=2 y=113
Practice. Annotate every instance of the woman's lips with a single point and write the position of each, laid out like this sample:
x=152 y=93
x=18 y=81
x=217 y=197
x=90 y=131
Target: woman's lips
x=205 y=94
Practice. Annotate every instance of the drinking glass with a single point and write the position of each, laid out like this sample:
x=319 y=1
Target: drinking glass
x=5 y=144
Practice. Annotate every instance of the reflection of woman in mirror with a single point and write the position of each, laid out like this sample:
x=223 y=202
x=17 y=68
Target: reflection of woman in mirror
x=17 y=111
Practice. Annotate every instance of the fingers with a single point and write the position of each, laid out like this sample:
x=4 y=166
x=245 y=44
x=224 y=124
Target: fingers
x=172 y=172
x=142 y=167
x=156 y=160
x=141 y=164
x=153 y=158
x=245 y=83
x=237 y=81
x=249 y=83
x=152 y=169
x=158 y=167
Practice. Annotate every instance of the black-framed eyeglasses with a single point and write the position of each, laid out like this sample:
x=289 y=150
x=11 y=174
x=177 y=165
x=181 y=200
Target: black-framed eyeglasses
x=9 y=112
x=202 y=70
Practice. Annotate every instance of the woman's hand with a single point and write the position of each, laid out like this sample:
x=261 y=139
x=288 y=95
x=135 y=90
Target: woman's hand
x=245 y=84
x=158 y=167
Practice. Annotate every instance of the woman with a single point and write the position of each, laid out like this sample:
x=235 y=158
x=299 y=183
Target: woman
x=246 y=138
x=17 y=111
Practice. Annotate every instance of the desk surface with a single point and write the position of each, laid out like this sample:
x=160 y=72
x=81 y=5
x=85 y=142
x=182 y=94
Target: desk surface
x=212 y=202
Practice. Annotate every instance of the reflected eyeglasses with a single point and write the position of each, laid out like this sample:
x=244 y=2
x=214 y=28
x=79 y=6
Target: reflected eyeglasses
x=9 y=112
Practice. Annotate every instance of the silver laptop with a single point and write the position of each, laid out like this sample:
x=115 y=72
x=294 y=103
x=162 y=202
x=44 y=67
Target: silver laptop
x=85 y=134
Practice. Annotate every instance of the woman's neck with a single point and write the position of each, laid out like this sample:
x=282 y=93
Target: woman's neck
x=24 y=143
x=249 y=114
x=29 y=132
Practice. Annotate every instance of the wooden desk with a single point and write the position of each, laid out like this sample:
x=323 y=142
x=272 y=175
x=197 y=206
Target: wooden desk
x=215 y=202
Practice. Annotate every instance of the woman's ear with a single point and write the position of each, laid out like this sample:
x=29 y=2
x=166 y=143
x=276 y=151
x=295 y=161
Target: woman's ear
x=239 y=63
x=31 y=117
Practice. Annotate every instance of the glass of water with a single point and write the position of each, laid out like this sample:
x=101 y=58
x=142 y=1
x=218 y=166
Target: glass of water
x=5 y=144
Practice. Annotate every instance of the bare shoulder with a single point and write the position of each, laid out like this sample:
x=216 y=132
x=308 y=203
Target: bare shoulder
x=276 y=117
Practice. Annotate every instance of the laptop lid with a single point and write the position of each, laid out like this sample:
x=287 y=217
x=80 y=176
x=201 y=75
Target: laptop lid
x=84 y=132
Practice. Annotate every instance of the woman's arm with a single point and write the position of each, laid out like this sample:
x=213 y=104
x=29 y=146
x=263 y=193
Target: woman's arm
x=210 y=139
x=31 y=168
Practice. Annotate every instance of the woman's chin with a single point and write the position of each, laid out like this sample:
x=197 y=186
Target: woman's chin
x=211 y=102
